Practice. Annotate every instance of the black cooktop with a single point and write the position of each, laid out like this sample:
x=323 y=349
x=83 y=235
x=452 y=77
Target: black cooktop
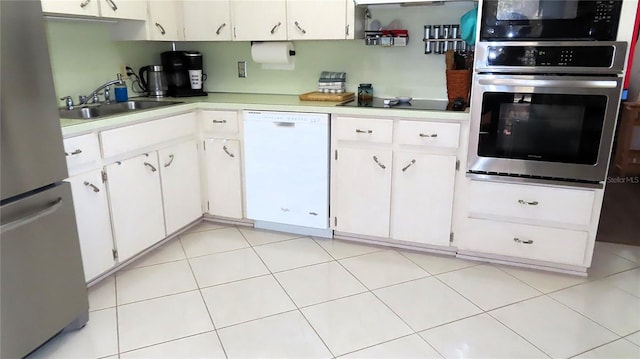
x=432 y=105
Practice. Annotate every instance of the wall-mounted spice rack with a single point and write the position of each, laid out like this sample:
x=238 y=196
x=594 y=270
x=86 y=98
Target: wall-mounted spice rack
x=440 y=38
x=386 y=38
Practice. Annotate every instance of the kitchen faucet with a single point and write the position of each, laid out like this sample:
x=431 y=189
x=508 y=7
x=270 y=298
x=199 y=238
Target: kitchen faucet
x=93 y=96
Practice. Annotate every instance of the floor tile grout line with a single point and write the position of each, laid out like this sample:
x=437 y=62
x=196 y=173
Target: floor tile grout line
x=597 y=347
x=356 y=255
x=115 y=292
x=518 y=334
x=516 y=278
x=205 y=303
x=616 y=254
x=291 y=299
x=167 y=341
x=429 y=253
x=381 y=343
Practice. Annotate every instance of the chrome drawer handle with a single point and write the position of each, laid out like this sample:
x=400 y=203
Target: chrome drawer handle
x=93 y=187
x=273 y=30
x=409 y=165
x=52 y=207
x=518 y=240
x=534 y=203
x=153 y=169
x=84 y=3
x=220 y=28
x=76 y=152
x=171 y=157
x=363 y=131
x=227 y=151
x=219 y=121
x=162 y=32
x=375 y=159
x=427 y=135
x=300 y=28
x=113 y=5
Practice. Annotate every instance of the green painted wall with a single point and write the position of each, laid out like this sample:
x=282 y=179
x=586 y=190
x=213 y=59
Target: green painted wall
x=83 y=57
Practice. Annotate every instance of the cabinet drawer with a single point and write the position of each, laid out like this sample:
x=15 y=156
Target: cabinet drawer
x=130 y=138
x=219 y=121
x=524 y=241
x=82 y=152
x=363 y=129
x=572 y=206
x=438 y=134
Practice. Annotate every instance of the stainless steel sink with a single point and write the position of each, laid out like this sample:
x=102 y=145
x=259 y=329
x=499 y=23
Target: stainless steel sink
x=110 y=109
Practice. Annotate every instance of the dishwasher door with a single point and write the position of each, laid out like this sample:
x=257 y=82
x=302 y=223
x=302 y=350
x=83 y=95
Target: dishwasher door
x=287 y=168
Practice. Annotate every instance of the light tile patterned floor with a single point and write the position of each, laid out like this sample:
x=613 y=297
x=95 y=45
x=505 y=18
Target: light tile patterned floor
x=221 y=291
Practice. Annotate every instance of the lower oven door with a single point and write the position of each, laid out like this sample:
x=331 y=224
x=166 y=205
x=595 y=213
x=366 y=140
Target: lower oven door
x=541 y=126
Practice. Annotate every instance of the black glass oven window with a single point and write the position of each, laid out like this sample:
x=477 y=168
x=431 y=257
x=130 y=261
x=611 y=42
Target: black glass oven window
x=542 y=127
x=537 y=10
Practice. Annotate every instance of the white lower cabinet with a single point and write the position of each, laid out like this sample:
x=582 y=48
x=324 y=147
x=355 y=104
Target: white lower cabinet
x=180 y=179
x=94 y=223
x=136 y=204
x=362 y=190
x=422 y=197
x=223 y=164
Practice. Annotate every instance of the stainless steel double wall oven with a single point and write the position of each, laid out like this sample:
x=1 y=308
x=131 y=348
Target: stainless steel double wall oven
x=545 y=96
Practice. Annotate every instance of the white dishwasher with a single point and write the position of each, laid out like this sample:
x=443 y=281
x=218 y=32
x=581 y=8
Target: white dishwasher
x=287 y=171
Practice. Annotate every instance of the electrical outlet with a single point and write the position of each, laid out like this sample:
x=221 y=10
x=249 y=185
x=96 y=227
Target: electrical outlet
x=123 y=71
x=242 y=69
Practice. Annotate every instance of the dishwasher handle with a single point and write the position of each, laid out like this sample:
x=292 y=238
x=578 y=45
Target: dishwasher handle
x=285 y=124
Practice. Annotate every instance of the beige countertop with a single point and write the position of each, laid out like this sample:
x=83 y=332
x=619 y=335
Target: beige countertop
x=242 y=101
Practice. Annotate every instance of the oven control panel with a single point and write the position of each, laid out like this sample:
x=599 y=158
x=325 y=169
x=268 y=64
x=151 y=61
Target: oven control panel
x=537 y=56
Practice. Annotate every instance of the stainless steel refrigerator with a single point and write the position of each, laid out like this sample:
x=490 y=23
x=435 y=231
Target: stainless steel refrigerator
x=42 y=287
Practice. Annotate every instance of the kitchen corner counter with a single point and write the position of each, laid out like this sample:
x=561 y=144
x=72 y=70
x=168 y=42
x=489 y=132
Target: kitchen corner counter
x=243 y=101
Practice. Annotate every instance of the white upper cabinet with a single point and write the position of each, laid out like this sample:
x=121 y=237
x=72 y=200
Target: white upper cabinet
x=164 y=20
x=259 y=20
x=72 y=7
x=316 y=19
x=206 y=20
x=124 y=9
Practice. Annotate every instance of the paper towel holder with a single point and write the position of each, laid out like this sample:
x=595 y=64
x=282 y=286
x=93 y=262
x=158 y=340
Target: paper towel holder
x=291 y=52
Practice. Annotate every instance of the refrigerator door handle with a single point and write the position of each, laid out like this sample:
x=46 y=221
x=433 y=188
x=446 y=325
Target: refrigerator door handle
x=32 y=217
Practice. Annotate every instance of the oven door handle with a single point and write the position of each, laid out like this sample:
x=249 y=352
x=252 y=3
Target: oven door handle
x=513 y=82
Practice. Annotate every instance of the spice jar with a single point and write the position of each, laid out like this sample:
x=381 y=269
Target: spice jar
x=365 y=94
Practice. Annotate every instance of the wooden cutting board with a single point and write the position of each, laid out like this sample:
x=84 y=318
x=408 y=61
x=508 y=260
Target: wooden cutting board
x=320 y=96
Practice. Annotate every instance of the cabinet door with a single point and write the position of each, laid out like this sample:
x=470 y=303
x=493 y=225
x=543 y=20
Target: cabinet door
x=316 y=19
x=180 y=174
x=259 y=20
x=94 y=223
x=224 y=179
x=362 y=185
x=71 y=7
x=124 y=9
x=163 y=20
x=422 y=197
x=208 y=20
x=136 y=204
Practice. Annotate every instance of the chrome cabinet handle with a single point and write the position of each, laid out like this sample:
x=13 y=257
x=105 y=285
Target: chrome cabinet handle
x=171 y=157
x=518 y=240
x=112 y=4
x=409 y=165
x=427 y=135
x=76 y=152
x=234 y=32
x=32 y=217
x=347 y=30
x=93 y=187
x=363 y=131
x=375 y=159
x=162 y=32
x=300 y=28
x=220 y=28
x=534 y=203
x=84 y=3
x=219 y=121
x=153 y=169
x=273 y=30
x=227 y=151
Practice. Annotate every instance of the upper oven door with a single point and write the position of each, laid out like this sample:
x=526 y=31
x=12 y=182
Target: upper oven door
x=509 y=20
x=543 y=126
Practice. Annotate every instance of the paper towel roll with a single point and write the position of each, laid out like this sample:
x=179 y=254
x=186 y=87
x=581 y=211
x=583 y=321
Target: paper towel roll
x=274 y=55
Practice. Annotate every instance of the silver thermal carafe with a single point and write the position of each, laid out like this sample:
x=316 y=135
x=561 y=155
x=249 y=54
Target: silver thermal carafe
x=185 y=75
x=153 y=81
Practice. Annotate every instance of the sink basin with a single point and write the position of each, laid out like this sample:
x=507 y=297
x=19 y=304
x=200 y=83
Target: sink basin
x=110 y=109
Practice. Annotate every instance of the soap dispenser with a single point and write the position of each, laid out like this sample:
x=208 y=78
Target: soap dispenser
x=121 y=91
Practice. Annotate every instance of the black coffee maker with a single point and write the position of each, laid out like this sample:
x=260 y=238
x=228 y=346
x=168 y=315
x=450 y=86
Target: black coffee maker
x=185 y=76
